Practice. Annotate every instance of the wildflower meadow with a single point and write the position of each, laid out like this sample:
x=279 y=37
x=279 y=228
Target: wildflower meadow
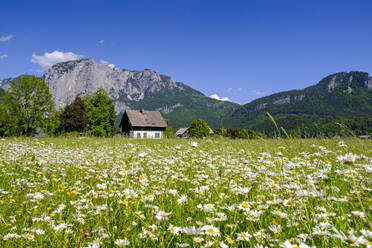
x=118 y=192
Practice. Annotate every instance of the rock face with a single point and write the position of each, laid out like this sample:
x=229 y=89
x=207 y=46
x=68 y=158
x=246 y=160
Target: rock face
x=4 y=84
x=368 y=83
x=81 y=77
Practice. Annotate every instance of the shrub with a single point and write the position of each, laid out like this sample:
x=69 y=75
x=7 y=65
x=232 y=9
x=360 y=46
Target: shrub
x=199 y=129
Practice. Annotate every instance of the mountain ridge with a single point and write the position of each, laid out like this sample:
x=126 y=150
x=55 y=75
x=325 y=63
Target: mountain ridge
x=339 y=95
x=131 y=90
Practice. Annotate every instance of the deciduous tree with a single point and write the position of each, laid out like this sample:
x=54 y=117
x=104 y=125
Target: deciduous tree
x=199 y=129
x=100 y=112
x=28 y=102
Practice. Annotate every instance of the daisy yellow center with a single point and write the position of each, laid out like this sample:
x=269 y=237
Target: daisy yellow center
x=244 y=205
x=211 y=230
x=244 y=235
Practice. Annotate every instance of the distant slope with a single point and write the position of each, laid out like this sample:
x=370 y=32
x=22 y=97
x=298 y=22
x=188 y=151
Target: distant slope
x=338 y=96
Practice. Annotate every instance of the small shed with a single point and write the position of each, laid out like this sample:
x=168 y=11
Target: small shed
x=365 y=136
x=143 y=124
x=184 y=132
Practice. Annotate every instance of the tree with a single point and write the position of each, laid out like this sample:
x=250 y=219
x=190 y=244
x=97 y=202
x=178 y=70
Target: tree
x=2 y=112
x=100 y=112
x=74 y=116
x=169 y=132
x=28 y=102
x=219 y=131
x=199 y=129
x=231 y=132
x=52 y=124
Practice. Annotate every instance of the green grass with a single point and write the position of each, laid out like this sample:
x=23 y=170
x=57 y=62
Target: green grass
x=81 y=192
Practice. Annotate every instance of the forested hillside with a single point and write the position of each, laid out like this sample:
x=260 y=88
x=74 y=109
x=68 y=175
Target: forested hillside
x=339 y=103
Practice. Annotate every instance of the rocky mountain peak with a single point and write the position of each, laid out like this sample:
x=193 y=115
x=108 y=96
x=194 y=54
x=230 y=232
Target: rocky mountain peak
x=80 y=77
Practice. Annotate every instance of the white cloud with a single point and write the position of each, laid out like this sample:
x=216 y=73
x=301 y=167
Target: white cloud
x=240 y=89
x=49 y=59
x=215 y=96
x=107 y=63
x=6 y=38
x=3 y=56
x=101 y=41
x=229 y=89
x=259 y=93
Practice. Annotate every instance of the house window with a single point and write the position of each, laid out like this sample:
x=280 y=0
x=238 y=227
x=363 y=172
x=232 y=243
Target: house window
x=145 y=135
x=157 y=135
x=138 y=135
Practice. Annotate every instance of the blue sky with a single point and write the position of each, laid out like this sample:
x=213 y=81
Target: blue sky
x=236 y=49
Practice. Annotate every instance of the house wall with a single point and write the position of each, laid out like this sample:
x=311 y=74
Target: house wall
x=149 y=134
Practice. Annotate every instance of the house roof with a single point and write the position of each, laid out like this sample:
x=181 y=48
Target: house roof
x=211 y=131
x=145 y=118
x=181 y=131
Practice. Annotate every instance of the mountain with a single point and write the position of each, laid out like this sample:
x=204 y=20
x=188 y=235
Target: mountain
x=133 y=90
x=337 y=97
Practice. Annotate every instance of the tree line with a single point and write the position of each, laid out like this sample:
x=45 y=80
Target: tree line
x=27 y=106
x=200 y=129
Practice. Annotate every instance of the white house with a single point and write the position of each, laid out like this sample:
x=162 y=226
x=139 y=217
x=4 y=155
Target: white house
x=143 y=124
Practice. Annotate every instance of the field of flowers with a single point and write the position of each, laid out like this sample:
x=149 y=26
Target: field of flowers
x=90 y=192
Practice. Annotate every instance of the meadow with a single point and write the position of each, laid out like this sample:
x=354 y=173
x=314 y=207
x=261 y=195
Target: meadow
x=117 y=192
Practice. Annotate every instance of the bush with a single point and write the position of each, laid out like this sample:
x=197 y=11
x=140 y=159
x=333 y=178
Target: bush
x=250 y=134
x=232 y=133
x=199 y=129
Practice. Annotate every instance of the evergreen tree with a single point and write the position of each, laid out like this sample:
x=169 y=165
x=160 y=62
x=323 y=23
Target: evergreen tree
x=28 y=102
x=199 y=129
x=100 y=112
x=74 y=116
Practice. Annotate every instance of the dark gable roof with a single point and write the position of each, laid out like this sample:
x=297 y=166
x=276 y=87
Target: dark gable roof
x=145 y=118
